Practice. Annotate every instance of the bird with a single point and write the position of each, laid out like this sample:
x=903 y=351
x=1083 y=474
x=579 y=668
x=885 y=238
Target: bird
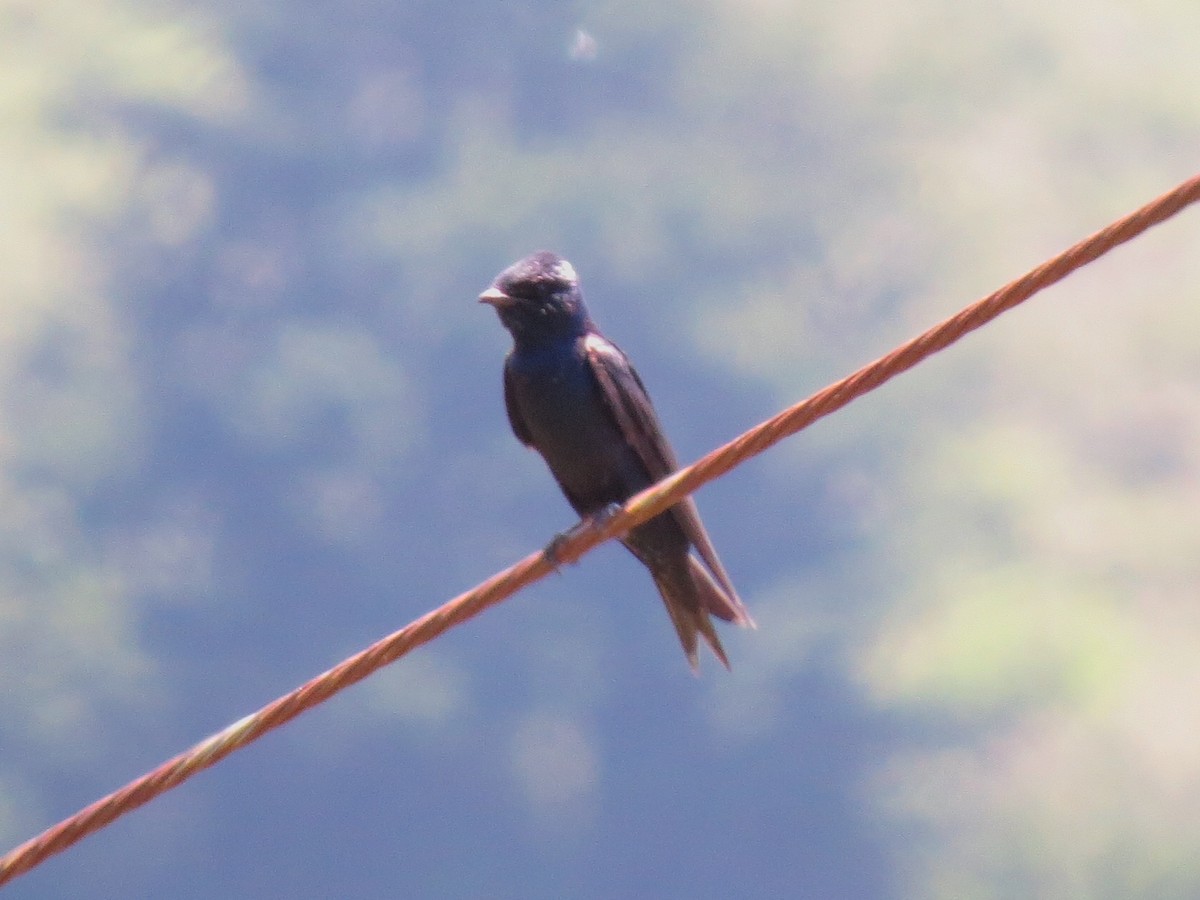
x=573 y=396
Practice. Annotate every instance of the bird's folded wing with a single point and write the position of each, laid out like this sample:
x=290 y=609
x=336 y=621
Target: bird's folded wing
x=626 y=399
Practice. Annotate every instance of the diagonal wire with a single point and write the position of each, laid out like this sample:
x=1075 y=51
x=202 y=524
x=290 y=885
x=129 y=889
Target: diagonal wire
x=639 y=508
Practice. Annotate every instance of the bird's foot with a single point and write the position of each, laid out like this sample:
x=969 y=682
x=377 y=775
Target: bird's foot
x=596 y=519
x=602 y=516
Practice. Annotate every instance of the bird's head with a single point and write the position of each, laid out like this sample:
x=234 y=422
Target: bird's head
x=538 y=299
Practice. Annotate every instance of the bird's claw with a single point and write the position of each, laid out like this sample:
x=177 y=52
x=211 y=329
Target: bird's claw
x=596 y=519
x=604 y=514
x=550 y=551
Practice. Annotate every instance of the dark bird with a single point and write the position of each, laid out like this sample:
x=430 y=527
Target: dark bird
x=573 y=396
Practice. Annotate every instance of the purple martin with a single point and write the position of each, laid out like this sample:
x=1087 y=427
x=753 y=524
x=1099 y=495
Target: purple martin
x=573 y=396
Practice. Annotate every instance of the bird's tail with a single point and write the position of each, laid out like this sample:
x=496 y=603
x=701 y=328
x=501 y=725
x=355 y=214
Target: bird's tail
x=690 y=595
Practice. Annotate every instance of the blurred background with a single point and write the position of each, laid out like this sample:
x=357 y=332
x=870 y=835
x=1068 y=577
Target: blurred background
x=251 y=420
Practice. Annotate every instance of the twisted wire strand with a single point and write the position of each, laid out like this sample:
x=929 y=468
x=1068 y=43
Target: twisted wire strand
x=579 y=541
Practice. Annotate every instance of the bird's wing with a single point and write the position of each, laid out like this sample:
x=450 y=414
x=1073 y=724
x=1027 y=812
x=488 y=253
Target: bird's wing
x=625 y=397
x=515 y=419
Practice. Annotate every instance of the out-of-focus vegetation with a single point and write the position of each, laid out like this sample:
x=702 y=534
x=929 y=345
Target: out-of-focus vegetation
x=250 y=419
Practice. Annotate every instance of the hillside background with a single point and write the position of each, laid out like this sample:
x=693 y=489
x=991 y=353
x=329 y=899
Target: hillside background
x=250 y=421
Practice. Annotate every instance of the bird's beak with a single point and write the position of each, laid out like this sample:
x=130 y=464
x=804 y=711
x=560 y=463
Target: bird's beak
x=493 y=296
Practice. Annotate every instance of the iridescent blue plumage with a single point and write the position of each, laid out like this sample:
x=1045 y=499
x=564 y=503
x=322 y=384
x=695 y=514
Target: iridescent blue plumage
x=573 y=396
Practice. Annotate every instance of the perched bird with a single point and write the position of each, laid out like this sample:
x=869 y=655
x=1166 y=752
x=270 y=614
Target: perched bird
x=573 y=396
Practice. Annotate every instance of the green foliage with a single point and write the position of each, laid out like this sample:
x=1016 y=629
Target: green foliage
x=273 y=218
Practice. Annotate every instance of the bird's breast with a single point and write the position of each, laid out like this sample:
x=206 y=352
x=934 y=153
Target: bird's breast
x=565 y=413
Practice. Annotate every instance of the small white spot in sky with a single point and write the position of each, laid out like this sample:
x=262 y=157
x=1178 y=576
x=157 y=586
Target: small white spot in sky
x=583 y=47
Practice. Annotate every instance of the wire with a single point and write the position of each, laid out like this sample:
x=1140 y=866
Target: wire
x=579 y=541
